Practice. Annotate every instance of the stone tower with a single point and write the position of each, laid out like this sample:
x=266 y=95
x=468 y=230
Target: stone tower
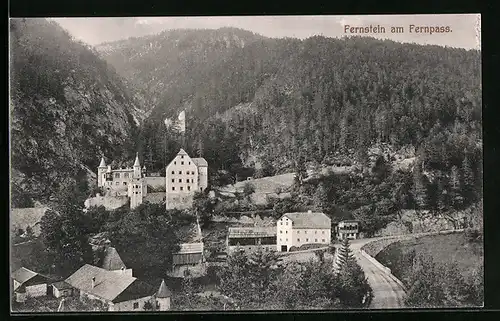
x=135 y=187
x=163 y=297
x=101 y=173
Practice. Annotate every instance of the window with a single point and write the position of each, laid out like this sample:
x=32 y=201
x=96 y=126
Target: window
x=182 y=163
x=280 y=240
x=117 y=183
x=182 y=156
x=286 y=232
x=125 y=175
x=173 y=180
x=323 y=232
x=124 y=183
x=315 y=240
x=136 y=192
x=136 y=305
x=180 y=172
x=192 y=180
x=298 y=232
x=323 y=240
x=175 y=163
x=315 y=232
x=298 y=240
x=117 y=175
x=192 y=173
x=189 y=163
x=281 y=223
x=182 y=188
x=281 y=231
x=173 y=188
x=189 y=188
x=307 y=240
x=305 y=232
x=180 y=180
x=173 y=172
x=286 y=223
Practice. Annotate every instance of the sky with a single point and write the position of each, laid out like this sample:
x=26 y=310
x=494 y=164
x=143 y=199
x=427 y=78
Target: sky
x=465 y=28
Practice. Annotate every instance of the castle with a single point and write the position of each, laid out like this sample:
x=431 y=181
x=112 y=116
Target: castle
x=122 y=182
x=184 y=176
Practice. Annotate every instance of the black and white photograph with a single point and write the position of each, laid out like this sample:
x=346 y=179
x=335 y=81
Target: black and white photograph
x=245 y=163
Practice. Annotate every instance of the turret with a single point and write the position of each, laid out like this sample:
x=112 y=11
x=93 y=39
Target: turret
x=137 y=167
x=101 y=173
x=163 y=297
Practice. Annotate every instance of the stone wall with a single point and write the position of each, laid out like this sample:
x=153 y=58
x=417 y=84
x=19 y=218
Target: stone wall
x=109 y=202
x=155 y=182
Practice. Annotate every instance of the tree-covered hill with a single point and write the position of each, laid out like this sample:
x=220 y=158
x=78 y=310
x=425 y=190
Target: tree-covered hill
x=264 y=102
x=68 y=108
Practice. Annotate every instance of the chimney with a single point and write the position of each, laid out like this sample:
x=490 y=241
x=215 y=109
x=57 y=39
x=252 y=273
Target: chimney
x=93 y=282
x=123 y=269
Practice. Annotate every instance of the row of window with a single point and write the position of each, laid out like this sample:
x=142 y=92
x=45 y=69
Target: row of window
x=305 y=232
x=187 y=172
x=181 y=188
x=307 y=240
x=180 y=180
x=182 y=162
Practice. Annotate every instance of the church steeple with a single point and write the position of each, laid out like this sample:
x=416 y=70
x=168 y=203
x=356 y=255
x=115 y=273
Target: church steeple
x=103 y=163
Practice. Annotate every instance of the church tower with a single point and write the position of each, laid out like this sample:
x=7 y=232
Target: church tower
x=101 y=173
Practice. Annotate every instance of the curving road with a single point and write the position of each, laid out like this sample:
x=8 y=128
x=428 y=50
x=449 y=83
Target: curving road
x=387 y=293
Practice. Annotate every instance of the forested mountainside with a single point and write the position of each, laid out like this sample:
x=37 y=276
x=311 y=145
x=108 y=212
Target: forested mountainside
x=68 y=107
x=267 y=102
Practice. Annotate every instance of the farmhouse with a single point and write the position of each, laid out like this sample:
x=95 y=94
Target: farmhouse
x=113 y=262
x=27 y=283
x=188 y=261
x=297 y=229
x=119 y=291
x=61 y=289
x=251 y=239
x=347 y=229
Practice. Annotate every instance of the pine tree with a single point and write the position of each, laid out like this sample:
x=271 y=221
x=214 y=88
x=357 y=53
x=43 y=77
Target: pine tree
x=344 y=254
x=321 y=197
x=419 y=189
x=467 y=180
x=455 y=194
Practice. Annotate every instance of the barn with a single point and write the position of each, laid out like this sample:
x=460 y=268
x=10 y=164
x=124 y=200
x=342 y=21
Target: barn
x=188 y=261
x=28 y=284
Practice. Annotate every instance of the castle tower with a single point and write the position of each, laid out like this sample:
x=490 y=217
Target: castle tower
x=101 y=173
x=163 y=297
x=136 y=189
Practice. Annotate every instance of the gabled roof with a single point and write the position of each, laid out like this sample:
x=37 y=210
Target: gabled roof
x=108 y=284
x=112 y=260
x=182 y=152
x=240 y=232
x=190 y=248
x=200 y=161
x=23 y=274
x=61 y=285
x=309 y=220
x=163 y=291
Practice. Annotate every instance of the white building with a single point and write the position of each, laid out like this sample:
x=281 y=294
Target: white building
x=27 y=283
x=184 y=176
x=119 y=291
x=348 y=229
x=297 y=229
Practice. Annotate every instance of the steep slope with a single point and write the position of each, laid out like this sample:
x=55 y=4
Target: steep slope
x=68 y=108
x=269 y=101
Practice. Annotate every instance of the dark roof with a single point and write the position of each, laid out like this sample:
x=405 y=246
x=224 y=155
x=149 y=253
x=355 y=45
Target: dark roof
x=309 y=220
x=200 y=161
x=138 y=289
x=186 y=258
x=112 y=260
x=163 y=291
x=61 y=285
x=185 y=248
x=244 y=232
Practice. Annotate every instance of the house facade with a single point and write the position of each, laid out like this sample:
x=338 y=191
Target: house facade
x=184 y=176
x=297 y=229
x=27 y=283
x=250 y=239
x=348 y=229
x=118 y=291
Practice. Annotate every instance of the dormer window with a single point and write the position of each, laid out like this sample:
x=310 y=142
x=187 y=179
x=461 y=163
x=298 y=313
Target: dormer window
x=182 y=156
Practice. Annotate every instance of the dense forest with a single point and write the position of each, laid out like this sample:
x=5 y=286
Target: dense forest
x=252 y=99
x=68 y=107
